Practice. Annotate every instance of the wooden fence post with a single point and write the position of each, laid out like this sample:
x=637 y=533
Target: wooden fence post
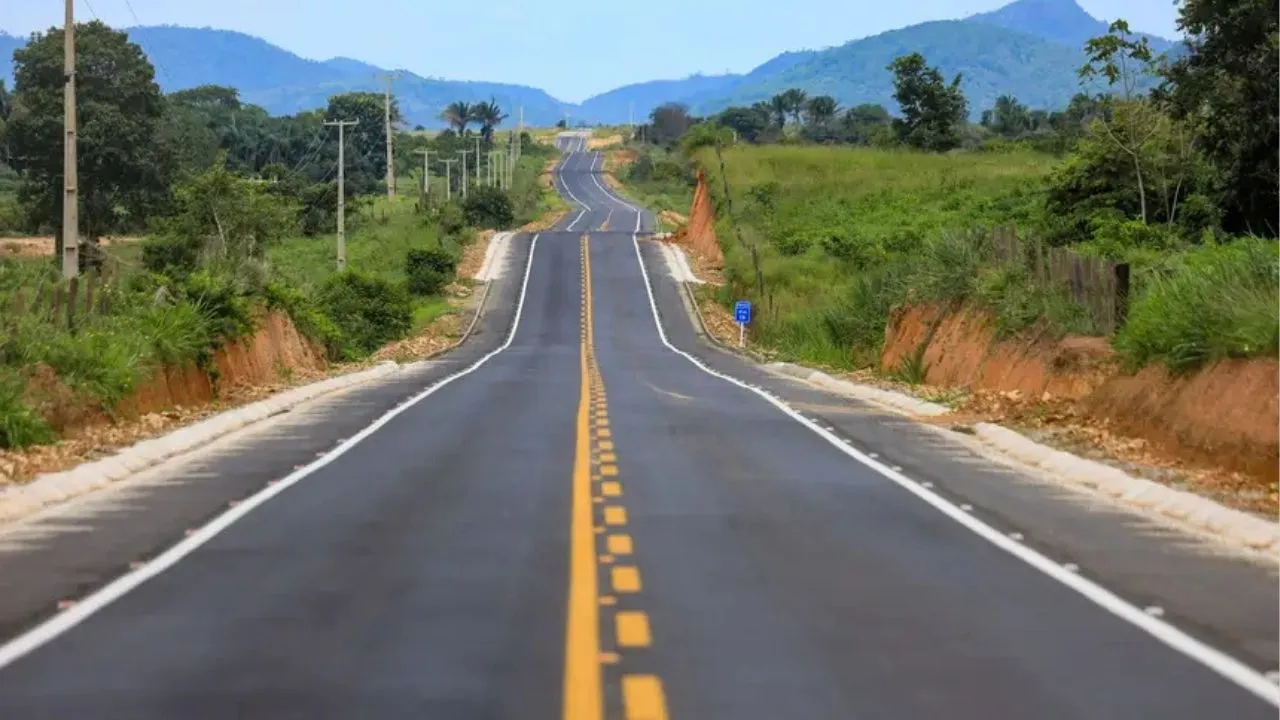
x=1122 y=294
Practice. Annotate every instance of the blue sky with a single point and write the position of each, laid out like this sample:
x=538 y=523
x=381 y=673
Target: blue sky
x=571 y=48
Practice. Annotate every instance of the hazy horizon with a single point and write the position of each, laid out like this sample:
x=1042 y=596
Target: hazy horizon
x=569 y=64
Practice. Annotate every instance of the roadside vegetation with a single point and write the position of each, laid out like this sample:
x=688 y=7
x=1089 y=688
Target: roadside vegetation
x=237 y=214
x=840 y=216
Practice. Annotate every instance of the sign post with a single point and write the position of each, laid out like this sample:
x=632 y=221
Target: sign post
x=742 y=314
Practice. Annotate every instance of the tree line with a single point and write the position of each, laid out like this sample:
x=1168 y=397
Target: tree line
x=137 y=144
x=1197 y=154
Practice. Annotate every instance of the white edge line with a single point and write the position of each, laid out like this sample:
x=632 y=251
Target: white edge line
x=101 y=598
x=1212 y=658
x=611 y=196
x=565 y=183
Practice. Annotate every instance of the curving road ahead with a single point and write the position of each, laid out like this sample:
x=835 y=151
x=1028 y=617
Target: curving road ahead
x=586 y=512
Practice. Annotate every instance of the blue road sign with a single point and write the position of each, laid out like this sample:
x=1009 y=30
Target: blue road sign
x=742 y=312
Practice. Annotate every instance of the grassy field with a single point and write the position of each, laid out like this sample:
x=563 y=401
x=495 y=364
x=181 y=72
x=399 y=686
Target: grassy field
x=844 y=235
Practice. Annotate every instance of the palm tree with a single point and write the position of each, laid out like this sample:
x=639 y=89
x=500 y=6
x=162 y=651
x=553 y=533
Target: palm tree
x=489 y=115
x=458 y=115
x=794 y=99
x=778 y=109
x=821 y=110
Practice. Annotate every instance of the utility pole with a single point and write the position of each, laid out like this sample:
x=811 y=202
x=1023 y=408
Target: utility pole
x=448 y=179
x=464 y=154
x=342 y=189
x=426 y=173
x=391 y=156
x=520 y=134
x=479 y=181
x=70 y=189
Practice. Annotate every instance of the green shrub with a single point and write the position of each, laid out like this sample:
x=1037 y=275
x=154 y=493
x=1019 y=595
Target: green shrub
x=488 y=207
x=170 y=255
x=309 y=319
x=428 y=269
x=370 y=312
x=20 y=425
x=1216 y=302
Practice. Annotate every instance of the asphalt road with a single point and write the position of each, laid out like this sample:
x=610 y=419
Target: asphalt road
x=595 y=522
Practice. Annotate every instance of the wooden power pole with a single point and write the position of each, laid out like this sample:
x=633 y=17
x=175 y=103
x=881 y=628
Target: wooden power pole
x=342 y=189
x=70 y=179
x=426 y=173
x=391 y=156
x=448 y=178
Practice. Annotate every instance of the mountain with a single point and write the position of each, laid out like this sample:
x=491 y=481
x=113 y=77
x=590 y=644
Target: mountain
x=1030 y=49
x=1060 y=21
x=284 y=83
x=638 y=100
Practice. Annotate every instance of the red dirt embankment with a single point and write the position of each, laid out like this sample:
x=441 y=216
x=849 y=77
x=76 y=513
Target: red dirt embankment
x=1222 y=416
x=275 y=349
x=700 y=232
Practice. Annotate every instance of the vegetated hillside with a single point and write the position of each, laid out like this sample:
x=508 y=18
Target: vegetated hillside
x=613 y=107
x=284 y=83
x=1060 y=21
x=993 y=60
x=637 y=100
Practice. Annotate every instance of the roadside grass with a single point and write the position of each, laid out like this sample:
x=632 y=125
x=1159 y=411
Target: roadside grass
x=1207 y=304
x=844 y=235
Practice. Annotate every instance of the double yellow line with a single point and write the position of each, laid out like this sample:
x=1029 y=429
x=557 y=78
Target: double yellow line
x=598 y=542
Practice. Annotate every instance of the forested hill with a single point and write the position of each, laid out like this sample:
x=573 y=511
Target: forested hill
x=284 y=83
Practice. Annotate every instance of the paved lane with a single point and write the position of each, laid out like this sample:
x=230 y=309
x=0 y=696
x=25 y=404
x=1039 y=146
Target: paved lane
x=589 y=525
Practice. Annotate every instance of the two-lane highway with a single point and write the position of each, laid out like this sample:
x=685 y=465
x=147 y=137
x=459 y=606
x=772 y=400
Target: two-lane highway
x=595 y=519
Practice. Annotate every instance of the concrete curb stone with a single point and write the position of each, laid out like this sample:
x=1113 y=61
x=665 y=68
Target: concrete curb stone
x=17 y=501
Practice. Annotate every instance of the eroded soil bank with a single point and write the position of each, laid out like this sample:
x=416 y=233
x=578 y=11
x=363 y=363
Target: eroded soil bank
x=1223 y=416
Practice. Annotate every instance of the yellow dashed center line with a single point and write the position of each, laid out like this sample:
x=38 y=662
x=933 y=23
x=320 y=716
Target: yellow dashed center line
x=625 y=578
x=632 y=627
x=642 y=698
x=597 y=481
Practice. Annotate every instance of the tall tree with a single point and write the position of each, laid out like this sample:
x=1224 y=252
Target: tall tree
x=122 y=171
x=778 y=108
x=1123 y=60
x=750 y=123
x=795 y=98
x=1008 y=117
x=366 y=152
x=933 y=112
x=458 y=115
x=820 y=110
x=867 y=124
x=490 y=116
x=669 y=122
x=6 y=106
x=1227 y=81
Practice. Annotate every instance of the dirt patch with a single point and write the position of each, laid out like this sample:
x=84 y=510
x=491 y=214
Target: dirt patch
x=604 y=142
x=43 y=246
x=473 y=254
x=619 y=159
x=435 y=336
x=672 y=217
x=546 y=222
x=1212 y=431
x=699 y=231
x=547 y=177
